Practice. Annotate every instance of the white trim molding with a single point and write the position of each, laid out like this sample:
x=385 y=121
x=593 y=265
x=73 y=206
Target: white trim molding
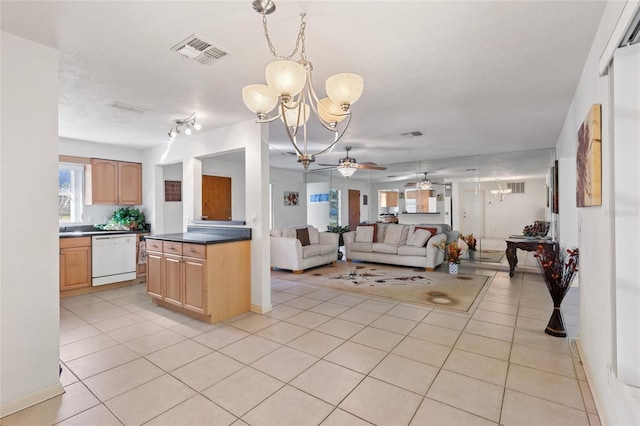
x=631 y=8
x=31 y=399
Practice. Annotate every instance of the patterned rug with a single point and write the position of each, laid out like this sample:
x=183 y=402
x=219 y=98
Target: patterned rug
x=406 y=284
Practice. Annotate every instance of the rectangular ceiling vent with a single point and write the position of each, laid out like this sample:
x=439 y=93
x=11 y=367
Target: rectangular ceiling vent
x=413 y=134
x=516 y=187
x=129 y=108
x=202 y=51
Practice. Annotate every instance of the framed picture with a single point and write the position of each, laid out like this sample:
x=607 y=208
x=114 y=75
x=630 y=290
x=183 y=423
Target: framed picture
x=172 y=190
x=291 y=198
x=589 y=160
x=365 y=200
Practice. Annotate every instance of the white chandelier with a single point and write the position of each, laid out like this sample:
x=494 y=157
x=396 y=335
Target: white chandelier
x=499 y=193
x=290 y=88
x=188 y=123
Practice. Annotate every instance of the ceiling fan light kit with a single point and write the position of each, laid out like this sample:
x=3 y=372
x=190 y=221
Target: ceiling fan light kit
x=347 y=166
x=289 y=91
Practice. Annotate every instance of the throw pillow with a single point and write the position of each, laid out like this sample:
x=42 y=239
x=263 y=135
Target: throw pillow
x=314 y=236
x=433 y=231
x=364 y=234
x=393 y=234
x=419 y=238
x=303 y=235
x=375 y=231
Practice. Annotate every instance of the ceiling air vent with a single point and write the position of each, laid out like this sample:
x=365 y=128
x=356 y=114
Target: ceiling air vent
x=415 y=133
x=516 y=187
x=202 y=51
x=129 y=108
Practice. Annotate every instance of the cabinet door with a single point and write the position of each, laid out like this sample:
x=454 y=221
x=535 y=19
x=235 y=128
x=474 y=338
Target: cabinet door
x=195 y=285
x=104 y=181
x=173 y=279
x=129 y=183
x=154 y=274
x=75 y=267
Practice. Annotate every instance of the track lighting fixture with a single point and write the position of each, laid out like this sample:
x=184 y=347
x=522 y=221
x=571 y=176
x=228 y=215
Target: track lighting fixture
x=189 y=123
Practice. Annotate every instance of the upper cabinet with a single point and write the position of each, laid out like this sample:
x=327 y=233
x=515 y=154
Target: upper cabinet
x=114 y=182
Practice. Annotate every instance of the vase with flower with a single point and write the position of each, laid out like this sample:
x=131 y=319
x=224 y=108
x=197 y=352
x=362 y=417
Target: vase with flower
x=452 y=253
x=471 y=241
x=558 y=269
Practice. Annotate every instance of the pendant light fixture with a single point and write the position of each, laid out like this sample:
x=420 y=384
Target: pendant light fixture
x=188 y=123
x=289 y=91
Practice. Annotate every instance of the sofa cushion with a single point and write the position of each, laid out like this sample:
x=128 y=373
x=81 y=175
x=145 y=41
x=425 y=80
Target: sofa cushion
x=327 y=248
x=314 y=235
x=419 y=238
x=364 y=247
x=382 y=229
x=276 y=232
x=289 y=232
x=412 y=251
x=394 y=234
x=384 y=248
x=433 y=229
x=302 y=234
x=375 y=230
x=365 y=234
x=311 y=251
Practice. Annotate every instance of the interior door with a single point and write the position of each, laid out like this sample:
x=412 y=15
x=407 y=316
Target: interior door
x=354 y=208
x=473 y=213
x=216 y=197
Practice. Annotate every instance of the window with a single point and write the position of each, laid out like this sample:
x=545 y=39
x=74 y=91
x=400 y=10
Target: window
x=70 y=191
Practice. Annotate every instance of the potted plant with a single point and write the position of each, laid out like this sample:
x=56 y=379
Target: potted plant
x=471 y=245
x=337 y=229
x=558 y=269
x=451 y=253
x=125 y=219
x=538 y=229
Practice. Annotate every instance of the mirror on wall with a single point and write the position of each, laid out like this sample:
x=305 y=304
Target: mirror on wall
x=223 y=187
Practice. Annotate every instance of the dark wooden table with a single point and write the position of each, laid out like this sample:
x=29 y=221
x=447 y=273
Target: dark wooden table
x=524 y=244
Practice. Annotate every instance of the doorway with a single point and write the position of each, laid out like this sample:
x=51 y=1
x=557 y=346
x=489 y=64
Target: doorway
x=354 y=208
x=473 y=213
x=216 y=198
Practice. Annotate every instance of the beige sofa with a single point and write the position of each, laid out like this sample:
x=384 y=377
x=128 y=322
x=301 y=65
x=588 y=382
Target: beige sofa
x=288 y=252
x=396 y=244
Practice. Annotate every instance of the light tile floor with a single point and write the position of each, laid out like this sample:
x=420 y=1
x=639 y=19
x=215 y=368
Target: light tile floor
x=320 y=357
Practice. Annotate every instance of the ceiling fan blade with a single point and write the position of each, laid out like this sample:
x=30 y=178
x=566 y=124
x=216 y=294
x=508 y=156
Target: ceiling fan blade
x=410 y=185
x=328 y=165
x=368 y=163
x=370 y=167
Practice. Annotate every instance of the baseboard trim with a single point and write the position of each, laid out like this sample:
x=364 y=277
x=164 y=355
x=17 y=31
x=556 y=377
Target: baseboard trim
x=594 y=393
x=31 y=399
x=259 y=309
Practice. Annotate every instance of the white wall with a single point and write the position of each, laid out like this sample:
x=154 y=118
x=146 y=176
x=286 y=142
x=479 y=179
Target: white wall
x=29 y=296
x=597 y=335
x=98 y=213
x=318 y=213
x=231 y=166
x=627 y=213
x=188 y=151
x=290 y=181
x=172 y=210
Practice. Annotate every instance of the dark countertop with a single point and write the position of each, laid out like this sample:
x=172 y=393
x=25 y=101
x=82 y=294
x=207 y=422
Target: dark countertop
x=76 y=234
x=197 y=238
x=207 y=235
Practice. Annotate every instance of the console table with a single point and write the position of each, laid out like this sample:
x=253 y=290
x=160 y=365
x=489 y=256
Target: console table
x=527 y=245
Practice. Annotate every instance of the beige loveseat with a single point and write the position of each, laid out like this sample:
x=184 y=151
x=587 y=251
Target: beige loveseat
x=289 y=252
x=397 y=244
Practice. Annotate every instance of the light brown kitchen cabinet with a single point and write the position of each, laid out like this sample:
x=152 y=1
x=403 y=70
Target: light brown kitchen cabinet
x=212 y=281
x=113 y=182
x=75 y=263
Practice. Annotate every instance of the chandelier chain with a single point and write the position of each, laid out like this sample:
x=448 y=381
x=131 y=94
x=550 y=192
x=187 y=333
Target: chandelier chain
x=299 y=40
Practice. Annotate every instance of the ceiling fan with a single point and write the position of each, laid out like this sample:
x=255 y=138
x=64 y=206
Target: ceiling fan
x=347 y=166
x=423 y=184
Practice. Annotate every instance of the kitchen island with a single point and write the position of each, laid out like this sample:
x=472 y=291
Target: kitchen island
x=204 y=273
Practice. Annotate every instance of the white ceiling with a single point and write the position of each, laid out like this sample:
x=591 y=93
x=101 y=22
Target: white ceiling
x=475 y=77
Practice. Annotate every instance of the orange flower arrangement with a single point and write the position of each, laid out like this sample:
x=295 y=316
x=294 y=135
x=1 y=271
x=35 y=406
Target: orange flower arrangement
x=452 y=250
x=470 y=240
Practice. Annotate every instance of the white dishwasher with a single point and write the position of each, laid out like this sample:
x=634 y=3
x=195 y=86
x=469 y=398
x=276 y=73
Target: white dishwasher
x=113 y=258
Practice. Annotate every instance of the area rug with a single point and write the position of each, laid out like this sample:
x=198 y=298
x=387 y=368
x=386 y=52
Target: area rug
x=405 y=284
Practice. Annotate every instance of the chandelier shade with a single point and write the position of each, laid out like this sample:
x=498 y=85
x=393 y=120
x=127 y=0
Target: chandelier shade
x=286 y=78
x=259 y=98
x=347 y=170
x=289 y=93
x=329 y=111
x=344 y=89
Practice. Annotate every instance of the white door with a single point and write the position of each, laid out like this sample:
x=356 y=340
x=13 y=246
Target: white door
x=473 y=213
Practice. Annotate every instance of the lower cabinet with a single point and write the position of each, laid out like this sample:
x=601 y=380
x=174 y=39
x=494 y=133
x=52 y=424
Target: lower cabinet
x=75 y=263
x=213 y=281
